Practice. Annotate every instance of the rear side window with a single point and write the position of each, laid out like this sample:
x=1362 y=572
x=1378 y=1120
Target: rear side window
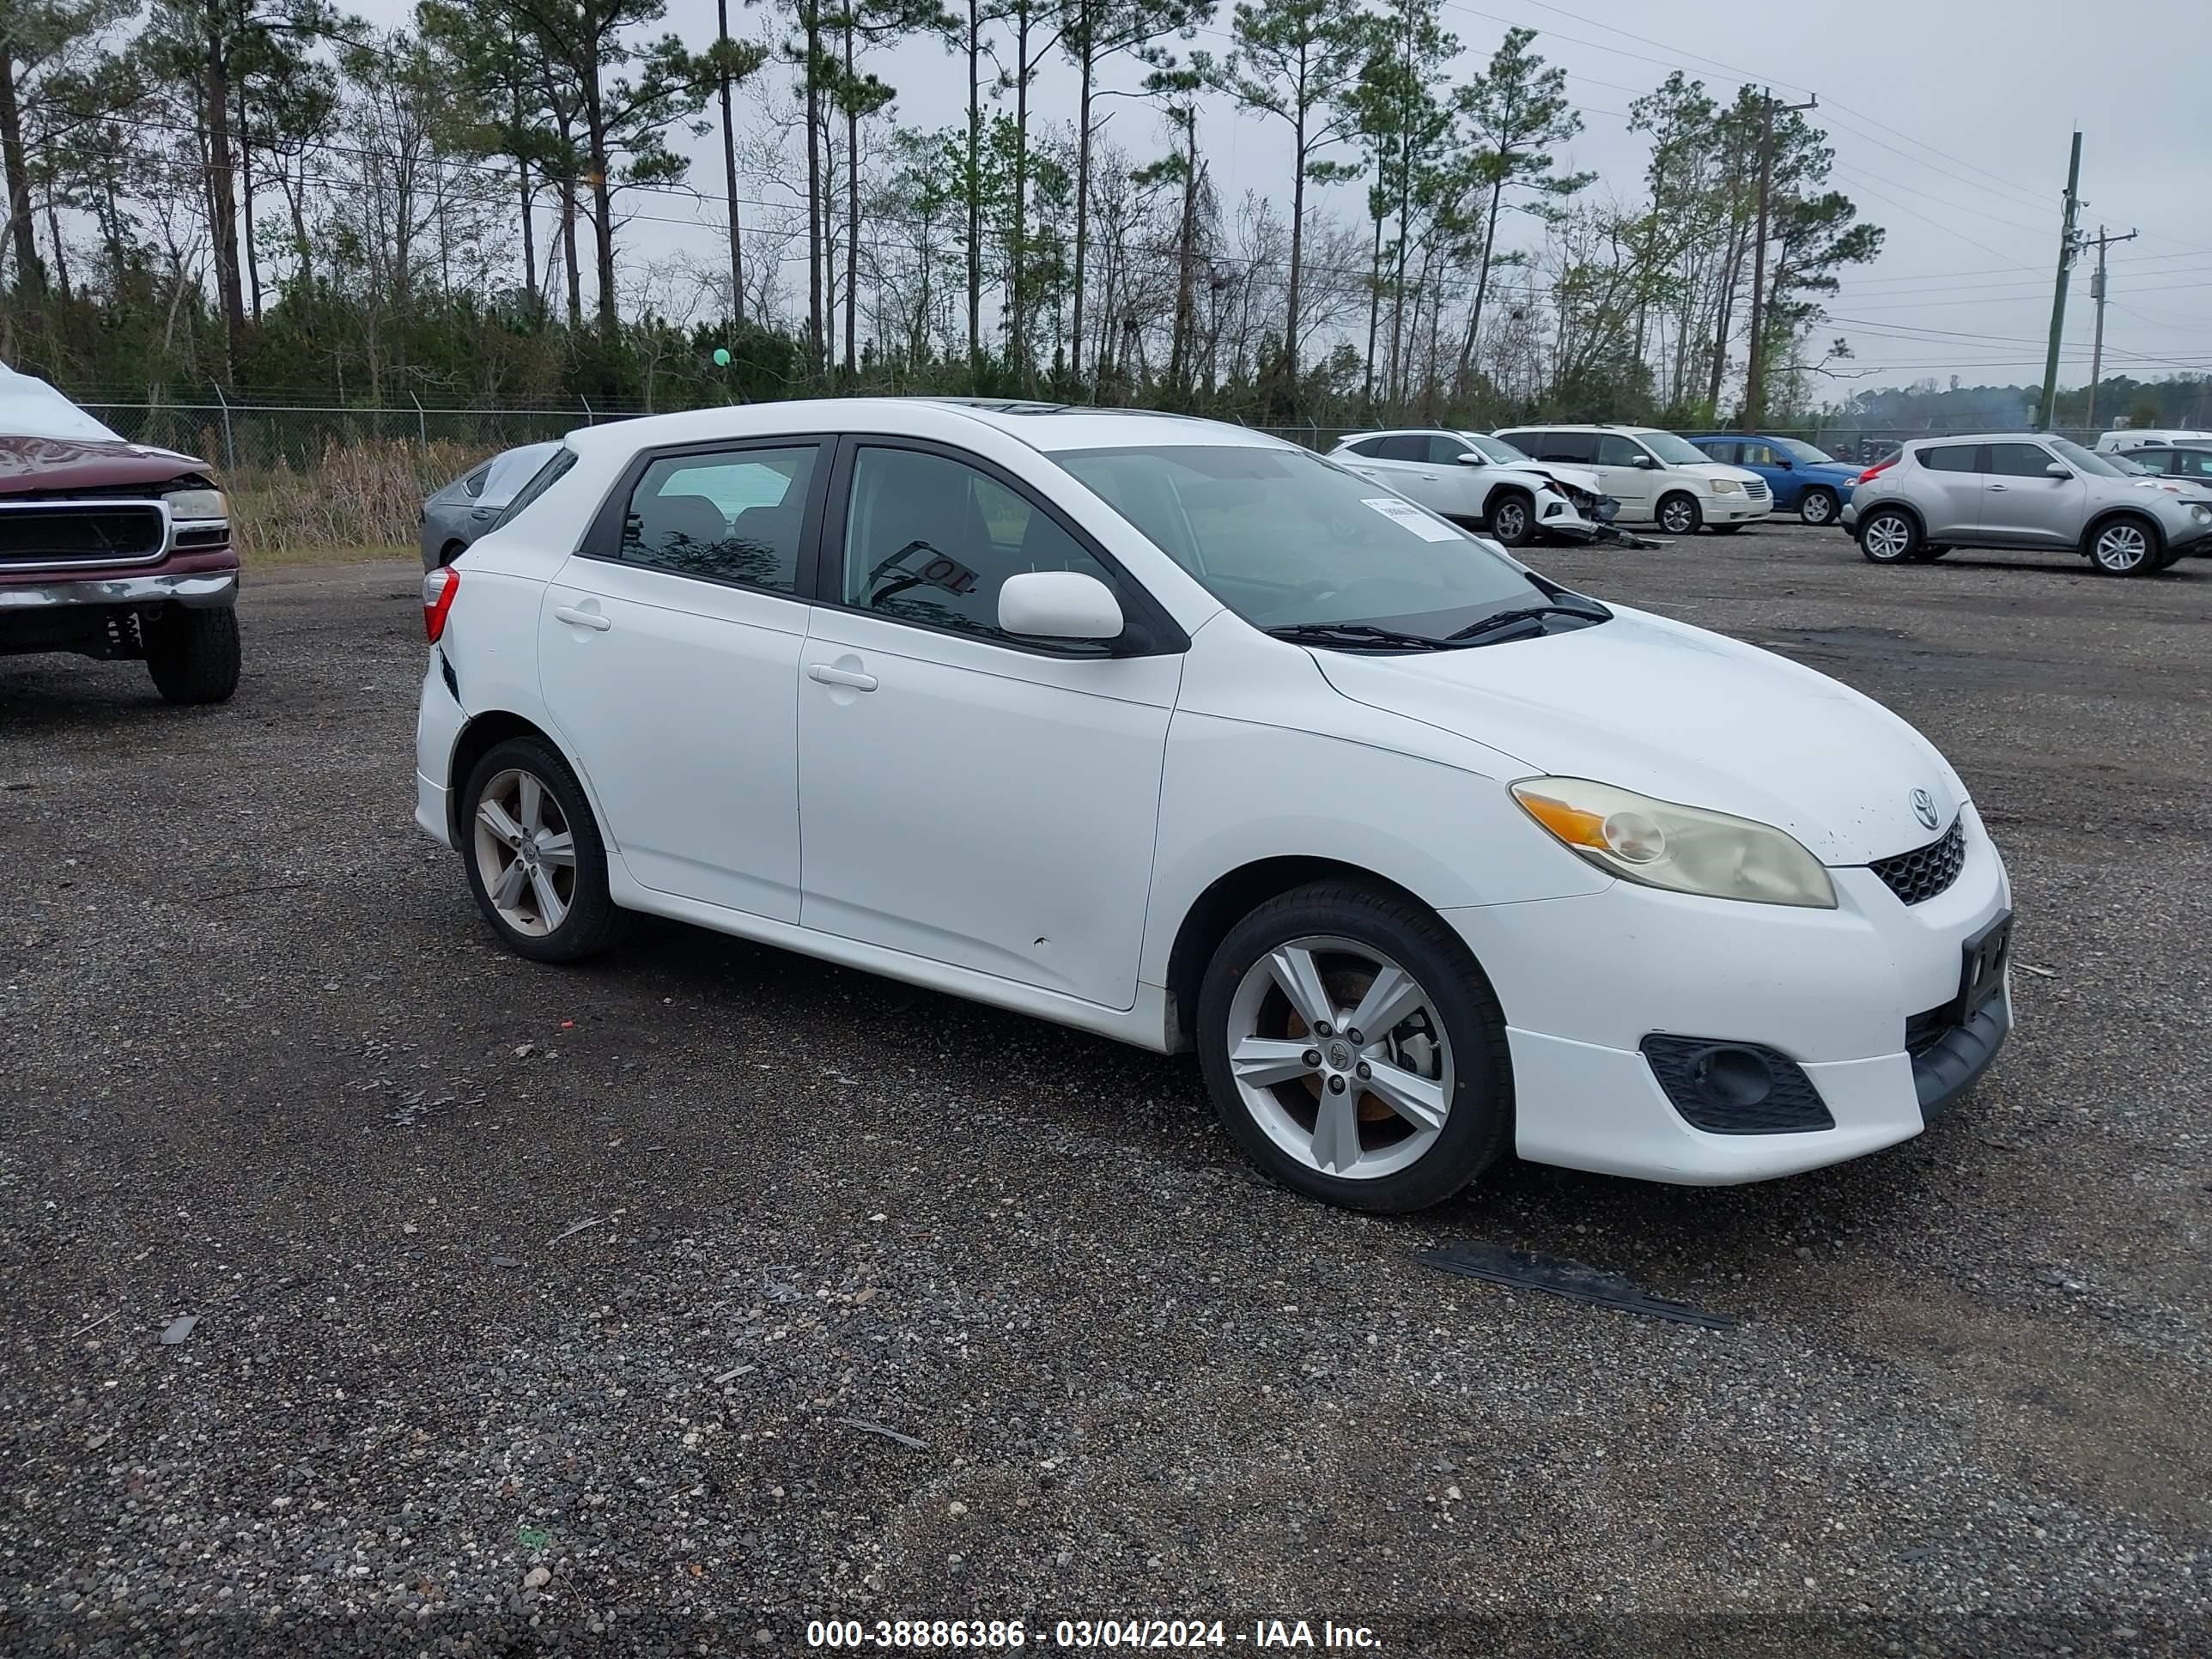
x=1949 y=458
x=731 y=516
x=1370 y=448
x=1404 y=446
x=1556 y=445
x=1730 y=453
x=472 y=486
x=557 y=463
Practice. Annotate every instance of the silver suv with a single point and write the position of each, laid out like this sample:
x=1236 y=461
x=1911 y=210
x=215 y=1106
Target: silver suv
x=2022 y=489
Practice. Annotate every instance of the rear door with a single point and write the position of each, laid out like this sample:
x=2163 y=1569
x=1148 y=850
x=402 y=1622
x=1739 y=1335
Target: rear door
x=2023 y=505
x=1949 y=490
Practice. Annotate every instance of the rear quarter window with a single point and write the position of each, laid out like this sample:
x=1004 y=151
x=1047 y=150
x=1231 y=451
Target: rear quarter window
x=546 y=477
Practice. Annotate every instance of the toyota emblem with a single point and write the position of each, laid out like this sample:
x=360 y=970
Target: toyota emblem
x=1924 y=807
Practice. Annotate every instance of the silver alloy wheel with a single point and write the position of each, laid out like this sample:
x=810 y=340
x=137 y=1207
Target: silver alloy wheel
x=525 y=855
x=1510 y=521
x=1888 y=537
x=1340 y=1057
x=2122 y=547
x=1678 y=515
x=1818 y=507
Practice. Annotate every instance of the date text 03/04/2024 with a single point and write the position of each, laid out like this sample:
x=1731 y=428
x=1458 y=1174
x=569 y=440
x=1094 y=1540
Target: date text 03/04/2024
x=1007 y=1635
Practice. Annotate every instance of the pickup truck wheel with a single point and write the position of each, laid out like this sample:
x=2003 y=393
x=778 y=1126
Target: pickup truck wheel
x=537 y=864
x=1512 y=518
x=193 y=655
x=1354 y=1049
x=1679 y=514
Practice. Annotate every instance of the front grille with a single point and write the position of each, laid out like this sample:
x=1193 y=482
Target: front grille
x=1756 y=488
x=1919 y=875
x=1924 y=1031
x=82 y=533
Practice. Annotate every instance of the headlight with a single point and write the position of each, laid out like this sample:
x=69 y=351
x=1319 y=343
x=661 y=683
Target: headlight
x=194 y=505
x=1726 y=487
x=1684 y=849
x=2201 y=514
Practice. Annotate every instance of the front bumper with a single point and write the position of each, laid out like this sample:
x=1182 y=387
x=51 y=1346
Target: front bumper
x=1568 y=519
x=199 y=589
x=1735 y=509
x=1583 y=981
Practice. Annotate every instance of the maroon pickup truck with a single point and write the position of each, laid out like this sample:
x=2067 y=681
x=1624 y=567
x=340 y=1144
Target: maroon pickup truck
x=111 y=550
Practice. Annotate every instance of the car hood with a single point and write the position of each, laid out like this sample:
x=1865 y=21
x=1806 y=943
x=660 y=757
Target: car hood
x=1838 y=473
x=1683 y=715
x=1573 y=475
x=1720 y=470
x=45 y=465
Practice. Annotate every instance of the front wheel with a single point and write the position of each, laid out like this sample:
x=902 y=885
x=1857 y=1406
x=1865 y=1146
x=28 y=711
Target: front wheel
x=1353 y=1049
x=536 y=863
x=2124 y=547
x=1888 y=537
x=1511 y=522
x=1819 y=506
x=193 y=655
x=1680 y=515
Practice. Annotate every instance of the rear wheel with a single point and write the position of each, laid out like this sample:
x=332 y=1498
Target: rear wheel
x=2125 y=546
x=1819 y=506
x=193 y=655
x=537 y=864
x=1512 y=518
x=1679 y=514
x=1888 y=537
x=1354 y=1050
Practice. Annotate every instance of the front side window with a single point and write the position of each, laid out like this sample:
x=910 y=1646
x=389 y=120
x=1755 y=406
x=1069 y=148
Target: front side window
x=1444 y=450
x=1613 y=450
x=1284 y=539
x=731 y=516
x=1673 y=451
x=1752 y=455
x=2190 y=462
x=929 y=539
x=2019 y=460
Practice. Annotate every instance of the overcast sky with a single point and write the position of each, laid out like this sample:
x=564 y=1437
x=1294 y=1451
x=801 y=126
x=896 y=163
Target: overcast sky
x=1950 y=120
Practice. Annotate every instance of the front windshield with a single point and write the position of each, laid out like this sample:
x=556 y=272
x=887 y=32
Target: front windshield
x=1798 y=450
x=1285 y=539
x=1676 y=451
x=2088 y=460
x=1494 y=449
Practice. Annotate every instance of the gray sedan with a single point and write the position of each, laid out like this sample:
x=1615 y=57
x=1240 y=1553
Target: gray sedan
x=469 y=506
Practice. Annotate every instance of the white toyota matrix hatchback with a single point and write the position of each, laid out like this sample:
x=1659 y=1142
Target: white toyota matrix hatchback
x=1178 y=733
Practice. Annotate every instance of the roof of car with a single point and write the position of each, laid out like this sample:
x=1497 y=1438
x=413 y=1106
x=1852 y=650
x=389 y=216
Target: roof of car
x=1047 y=427
x=1983 y=438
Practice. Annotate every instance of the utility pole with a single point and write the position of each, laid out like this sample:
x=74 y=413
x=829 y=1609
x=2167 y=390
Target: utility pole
x=2097 y=292
x=1754 y=381
x=2068 y=246
x=729 y=177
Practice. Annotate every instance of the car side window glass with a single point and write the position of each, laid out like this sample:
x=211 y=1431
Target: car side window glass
x=2191 y=462
x=1754 y=455
x=932 y=540
x=2019 y=460
x=1948 y=457
x=1613 y=450
x=1404 y=446
x=1444 y=450
x=733 y=516
x=1730 y=453
x=1562 y=445
x=472 y=486
x=1370 y=448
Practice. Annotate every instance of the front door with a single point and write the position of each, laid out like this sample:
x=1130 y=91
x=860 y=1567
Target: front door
x=669 y=653
x=966 y=796
x=1633 y=485
x=2023 y=504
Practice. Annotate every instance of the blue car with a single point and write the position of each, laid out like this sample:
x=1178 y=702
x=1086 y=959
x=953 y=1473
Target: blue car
x=1806 y=480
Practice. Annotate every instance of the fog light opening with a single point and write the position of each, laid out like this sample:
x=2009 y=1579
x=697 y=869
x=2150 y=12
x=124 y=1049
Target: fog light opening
x=1732 y=1077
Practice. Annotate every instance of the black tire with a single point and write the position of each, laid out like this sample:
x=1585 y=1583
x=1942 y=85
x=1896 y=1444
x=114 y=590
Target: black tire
x=1889 y=535
x=2124 y=545
x=1679 y=514
x=193 y=655
x=1818 y=507
x=592 y=921
x=451 y=551
x=1512 y=518
x=1727 y=529
x=1478 y=1119
x=1924 y=553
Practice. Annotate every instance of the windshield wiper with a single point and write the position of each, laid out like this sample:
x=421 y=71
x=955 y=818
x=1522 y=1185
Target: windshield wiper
x=1343 y=633
x=1503 y=619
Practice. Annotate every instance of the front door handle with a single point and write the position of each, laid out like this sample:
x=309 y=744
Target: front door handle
x=826 y=675
x=590 y=619
x=1999 y=486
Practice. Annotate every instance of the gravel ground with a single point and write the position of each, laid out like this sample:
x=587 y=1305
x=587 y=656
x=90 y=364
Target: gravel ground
x=671 y=1302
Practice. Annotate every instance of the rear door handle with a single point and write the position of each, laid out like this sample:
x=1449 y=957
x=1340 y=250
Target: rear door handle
x=590 y=619
x=827 y=675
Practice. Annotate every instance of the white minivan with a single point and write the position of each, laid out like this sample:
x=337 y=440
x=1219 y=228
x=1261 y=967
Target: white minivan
x=1169 y=731
x=1657 y=476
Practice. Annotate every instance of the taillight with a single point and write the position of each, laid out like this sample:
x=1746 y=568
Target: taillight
x=438 y=590
x=1877 y=469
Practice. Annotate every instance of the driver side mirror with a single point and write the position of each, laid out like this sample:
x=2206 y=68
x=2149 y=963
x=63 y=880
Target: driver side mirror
x=1645 y=462
x=1058 y=605
x=1785 y=463
x=1470 y=458
x=2059 y=470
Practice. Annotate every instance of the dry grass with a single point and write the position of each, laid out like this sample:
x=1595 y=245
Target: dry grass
x=362 y=501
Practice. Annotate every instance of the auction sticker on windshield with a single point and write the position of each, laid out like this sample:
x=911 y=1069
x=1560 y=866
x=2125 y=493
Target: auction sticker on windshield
x=1411 y=517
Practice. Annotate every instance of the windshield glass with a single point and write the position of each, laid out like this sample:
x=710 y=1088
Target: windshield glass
x=1798 y=450
x=1284 y=538
x=2088 y=460
x=1676 y=451
x=1494 y=449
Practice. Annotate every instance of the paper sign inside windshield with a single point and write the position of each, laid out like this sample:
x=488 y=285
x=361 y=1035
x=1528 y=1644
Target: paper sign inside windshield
x=1411 y=517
